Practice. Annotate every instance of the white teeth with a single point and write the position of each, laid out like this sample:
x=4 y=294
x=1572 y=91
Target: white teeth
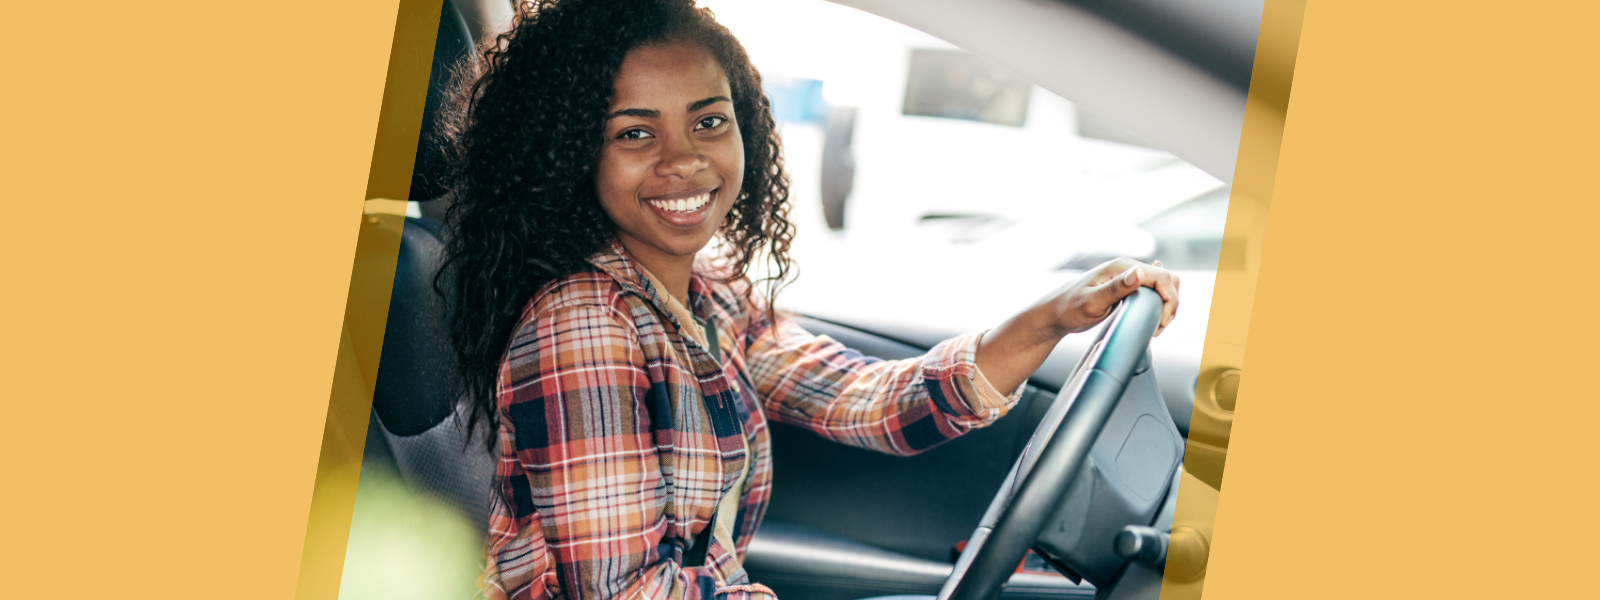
x=683 y=205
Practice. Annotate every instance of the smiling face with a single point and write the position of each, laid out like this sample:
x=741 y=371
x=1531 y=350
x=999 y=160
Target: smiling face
x=673 y=161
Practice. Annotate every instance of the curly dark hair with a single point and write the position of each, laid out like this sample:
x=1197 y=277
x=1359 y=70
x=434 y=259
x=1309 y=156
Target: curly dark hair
x=523 y=137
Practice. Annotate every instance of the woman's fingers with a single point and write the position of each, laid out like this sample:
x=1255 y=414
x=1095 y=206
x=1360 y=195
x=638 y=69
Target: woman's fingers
x=1151 y=276
x=1115 y=280
x=1118 y=288
x=1165 y=284
x=1169 y=302
x=1133 y=277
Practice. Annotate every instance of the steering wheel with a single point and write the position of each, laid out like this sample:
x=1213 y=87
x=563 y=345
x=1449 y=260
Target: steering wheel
x=1056 y=454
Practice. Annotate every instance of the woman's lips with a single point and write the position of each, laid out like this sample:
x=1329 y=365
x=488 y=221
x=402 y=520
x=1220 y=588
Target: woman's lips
x=684 y=211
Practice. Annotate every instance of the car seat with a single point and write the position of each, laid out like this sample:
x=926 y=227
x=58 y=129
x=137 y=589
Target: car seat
x=415 y=429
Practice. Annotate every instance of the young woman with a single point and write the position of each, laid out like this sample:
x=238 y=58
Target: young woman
x=627 y=380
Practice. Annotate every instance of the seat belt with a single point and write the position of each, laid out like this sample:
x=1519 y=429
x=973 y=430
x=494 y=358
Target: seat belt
x=696 y=555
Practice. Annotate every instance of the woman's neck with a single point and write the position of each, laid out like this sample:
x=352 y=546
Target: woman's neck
x=672 y=271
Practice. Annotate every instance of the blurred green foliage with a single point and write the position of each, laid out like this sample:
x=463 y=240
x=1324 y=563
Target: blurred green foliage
x=406 y=546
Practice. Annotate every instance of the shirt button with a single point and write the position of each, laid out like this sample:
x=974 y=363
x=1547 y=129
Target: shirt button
x=735 y=387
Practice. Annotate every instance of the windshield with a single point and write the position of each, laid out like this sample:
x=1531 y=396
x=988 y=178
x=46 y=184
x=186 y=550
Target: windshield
x=914 y=161
x=1189 y=235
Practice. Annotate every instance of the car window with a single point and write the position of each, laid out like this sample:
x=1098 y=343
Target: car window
x=953 y=84
x=912 y=160
x=1189 y=235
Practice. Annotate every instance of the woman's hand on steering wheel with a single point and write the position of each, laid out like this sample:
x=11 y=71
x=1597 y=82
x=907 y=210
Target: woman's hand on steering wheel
x=1012 y=351
x=1088 y=300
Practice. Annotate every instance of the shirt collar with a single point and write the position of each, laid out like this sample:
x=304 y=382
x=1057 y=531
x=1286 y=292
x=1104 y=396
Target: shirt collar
x=615 y=261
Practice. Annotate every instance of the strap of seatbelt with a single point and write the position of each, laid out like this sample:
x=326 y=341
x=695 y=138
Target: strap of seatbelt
x=710 y=327
x=696 y=555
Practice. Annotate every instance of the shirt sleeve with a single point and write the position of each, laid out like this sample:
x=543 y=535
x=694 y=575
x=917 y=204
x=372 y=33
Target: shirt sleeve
x=580 y=470
x=899 y=407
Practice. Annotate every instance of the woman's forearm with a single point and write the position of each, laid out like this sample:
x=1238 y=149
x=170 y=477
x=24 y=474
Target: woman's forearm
x=1011 y=352
x=1008 y=354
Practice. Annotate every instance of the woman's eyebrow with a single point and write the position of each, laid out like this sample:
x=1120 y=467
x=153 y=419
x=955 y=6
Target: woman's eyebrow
x=643 y=113
x=699 y=104
x=649 y=113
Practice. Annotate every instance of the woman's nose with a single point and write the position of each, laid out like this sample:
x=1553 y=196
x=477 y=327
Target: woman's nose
x=681 y=156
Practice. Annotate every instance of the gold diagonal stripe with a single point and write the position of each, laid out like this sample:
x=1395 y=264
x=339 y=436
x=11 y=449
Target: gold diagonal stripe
x=1222 y=360
x=367 y=304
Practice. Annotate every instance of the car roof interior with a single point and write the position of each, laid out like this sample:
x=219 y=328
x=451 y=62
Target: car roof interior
x=1185 y=95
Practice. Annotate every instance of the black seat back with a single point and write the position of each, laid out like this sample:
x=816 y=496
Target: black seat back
x=417 y=425
x=412 y=394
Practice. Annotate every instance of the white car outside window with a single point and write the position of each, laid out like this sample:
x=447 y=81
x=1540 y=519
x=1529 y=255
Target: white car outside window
x=962 y=218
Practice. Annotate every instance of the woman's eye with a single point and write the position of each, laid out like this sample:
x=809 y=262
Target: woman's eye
x=633 y=134
x=712 y=122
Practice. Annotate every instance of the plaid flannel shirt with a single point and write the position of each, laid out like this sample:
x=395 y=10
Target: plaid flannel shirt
x=613 y=454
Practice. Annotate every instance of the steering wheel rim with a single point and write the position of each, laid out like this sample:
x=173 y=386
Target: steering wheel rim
x=1019 y=510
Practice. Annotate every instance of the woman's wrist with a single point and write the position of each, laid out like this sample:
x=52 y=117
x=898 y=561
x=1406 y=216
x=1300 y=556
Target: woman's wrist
x=1012 y=351
x=1051 y=320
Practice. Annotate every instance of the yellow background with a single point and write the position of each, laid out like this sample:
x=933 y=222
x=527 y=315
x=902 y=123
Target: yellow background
x=183 y=186
x=1418 y=413
x=184 y=183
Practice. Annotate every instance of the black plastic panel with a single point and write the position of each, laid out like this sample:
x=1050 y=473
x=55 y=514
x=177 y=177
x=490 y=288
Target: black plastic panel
x=919 y=506
x=1124 y=482
x=800 y=564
